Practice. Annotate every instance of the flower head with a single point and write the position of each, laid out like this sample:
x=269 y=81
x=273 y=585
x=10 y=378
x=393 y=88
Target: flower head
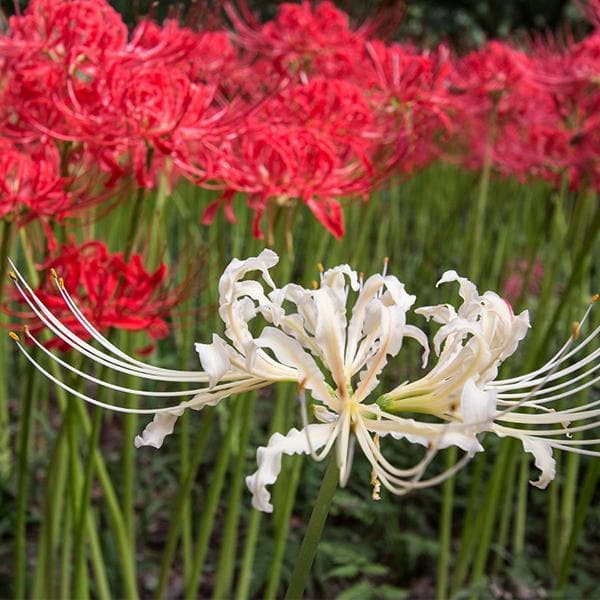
x=334 y=342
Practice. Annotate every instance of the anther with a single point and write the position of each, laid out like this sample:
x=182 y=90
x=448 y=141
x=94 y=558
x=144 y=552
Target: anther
x=320 y=267
x=595 y=298
x=61 y=283
x=315 y=284
x=12 y=275
x=13 y=336
x=53 y=273
x=376 y=494
x=26 y=330
x=575 y=329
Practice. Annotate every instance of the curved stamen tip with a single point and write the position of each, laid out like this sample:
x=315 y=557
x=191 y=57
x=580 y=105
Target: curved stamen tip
x=320 y=267
x=53 y=273
x=315 y=284
x=12 y=275
x=14 y=336
x=26 y=331
x=575 y=329
x=595 y=298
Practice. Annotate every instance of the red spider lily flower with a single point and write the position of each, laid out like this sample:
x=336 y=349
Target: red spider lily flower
x=408 y=90
x=302 y=41
x=30 y=184
x=310 y=143
x=207 y=57
x=110 y=292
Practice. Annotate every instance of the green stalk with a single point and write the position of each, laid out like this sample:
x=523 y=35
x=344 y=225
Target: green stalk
x=441 y=591
x=482 y=199
x=489 y=513
x=521 y=516
x=102 y=587
x=568 y=501
x=583 y=503
x=286 y=508
x=66 y=547
x=207 y=520
x=245 y=577
x=177 y=517
x=243 y=586
x=470 y=529
x=25 y=422
x=79 y=574
x=56 y=478
x=126 y=556
x=226 y=562
x=507 y=505
x=5 y=453
x=308 y=549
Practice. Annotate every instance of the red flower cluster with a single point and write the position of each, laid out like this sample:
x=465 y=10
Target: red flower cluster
x=109 y=292
x=301 y=109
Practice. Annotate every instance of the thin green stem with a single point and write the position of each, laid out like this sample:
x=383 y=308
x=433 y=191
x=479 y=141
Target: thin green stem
x=5 y=454
x=79 y=574
x=177 y=516
x=207 y=520
x=286 y=508
x=441 y=591
x=226 y=562
x=308 y=549
x=583 y=503
x=25 y=422
x=245 y=577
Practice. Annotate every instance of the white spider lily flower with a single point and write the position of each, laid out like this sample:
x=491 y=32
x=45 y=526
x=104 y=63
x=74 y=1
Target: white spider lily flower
x=462 y=387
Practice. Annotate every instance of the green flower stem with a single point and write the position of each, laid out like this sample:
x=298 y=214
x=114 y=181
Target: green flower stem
x=480 y=207
x=308 y=549
x=553 y=520
x=177 y=520
x=284 y=496
x=441 y=591
x=489 y=515
x=286 y=508
x=25 y=423
x=128 y=456
x=66 y=548
x=57 y=475
x=469 y=533
x=79 y=574
x=521 y=508
x=507 y=506
x=97 y=560
x=5 y=453
x=226 y=562
x=586 y=495
x=568 y=500
x=207 y=519
x=245 y=577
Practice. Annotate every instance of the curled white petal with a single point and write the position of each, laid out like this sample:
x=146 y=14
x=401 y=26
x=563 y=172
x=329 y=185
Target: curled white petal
x=268 y=458
x=542 y=453
x=158 y=429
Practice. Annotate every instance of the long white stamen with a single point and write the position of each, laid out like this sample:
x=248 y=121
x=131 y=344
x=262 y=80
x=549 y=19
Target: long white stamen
x=198 y=401
x=127 y=390
x=71 y=339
